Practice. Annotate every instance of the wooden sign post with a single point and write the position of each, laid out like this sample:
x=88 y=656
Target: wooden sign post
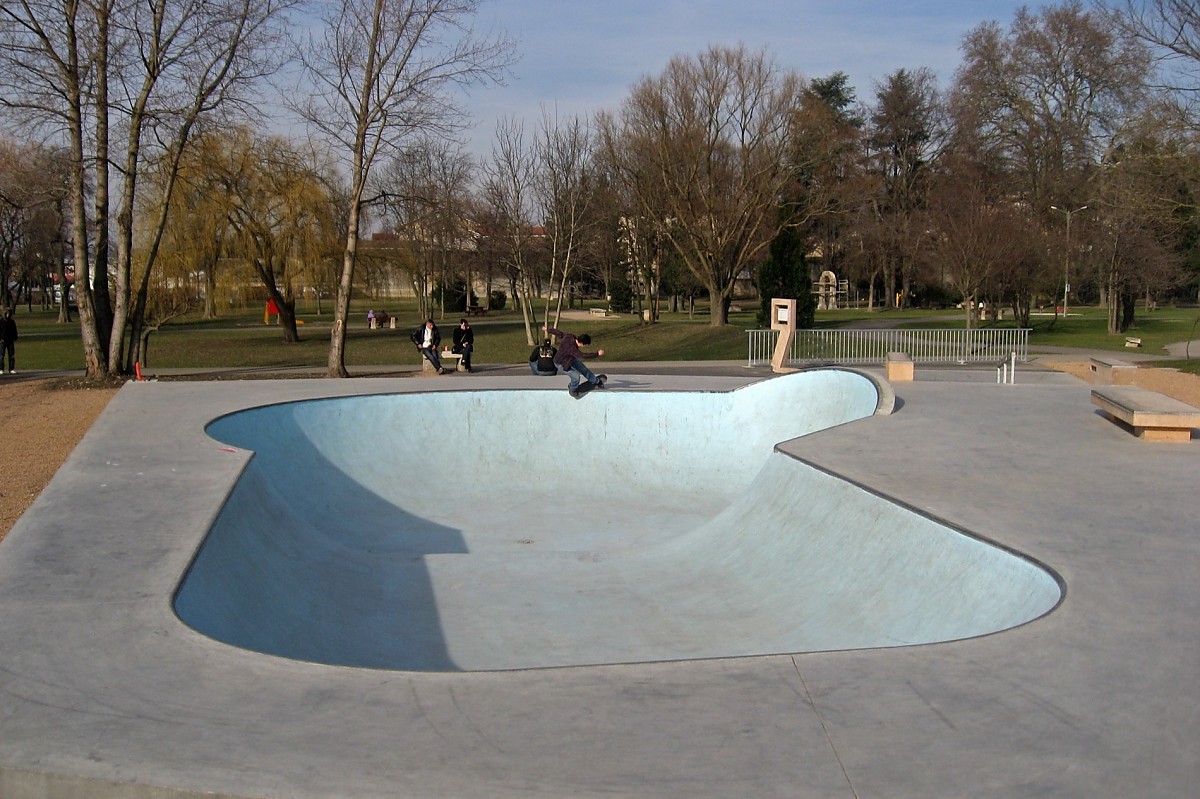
x=783 y=319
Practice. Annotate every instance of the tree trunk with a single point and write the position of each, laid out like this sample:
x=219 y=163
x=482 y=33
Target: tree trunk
x=336 y=365
x=210 y=292
x=1128 y=307
x=527 y=310
x=101 y=301
x=719 y=300
x=287 y=319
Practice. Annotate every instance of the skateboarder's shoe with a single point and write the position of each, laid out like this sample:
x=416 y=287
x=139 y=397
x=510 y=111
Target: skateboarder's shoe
x=574 y=392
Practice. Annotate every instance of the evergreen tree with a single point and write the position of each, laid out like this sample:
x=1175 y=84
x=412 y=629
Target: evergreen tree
x=784 y=275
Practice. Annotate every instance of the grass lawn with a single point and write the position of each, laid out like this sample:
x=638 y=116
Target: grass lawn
x=240 y=339
x=1087 y=328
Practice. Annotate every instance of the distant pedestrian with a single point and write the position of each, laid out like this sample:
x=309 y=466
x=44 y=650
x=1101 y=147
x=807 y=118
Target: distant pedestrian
x=8 y=339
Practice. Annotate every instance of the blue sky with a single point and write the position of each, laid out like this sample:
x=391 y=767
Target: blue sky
x=579 y=56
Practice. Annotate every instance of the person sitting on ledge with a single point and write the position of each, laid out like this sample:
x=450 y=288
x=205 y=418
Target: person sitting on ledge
x=464 y=342
x=427 y=338
x=541 y=360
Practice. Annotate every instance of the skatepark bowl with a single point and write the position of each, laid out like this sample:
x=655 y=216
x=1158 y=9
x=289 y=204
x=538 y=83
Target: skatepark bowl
x=517 y=529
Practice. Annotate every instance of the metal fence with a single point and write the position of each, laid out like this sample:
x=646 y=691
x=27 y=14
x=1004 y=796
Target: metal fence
x=847 y=346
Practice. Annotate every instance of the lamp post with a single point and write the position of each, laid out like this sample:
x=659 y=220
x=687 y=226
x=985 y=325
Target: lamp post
x=1067 y=260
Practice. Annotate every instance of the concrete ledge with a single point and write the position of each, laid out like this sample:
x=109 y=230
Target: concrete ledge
x=1153 y=416
x=426 y=366
x=1112 y=372
x=899 y=367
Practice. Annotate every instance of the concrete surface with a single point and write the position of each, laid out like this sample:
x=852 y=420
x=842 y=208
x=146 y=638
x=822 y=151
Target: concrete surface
x=105 y=693
x=524 y=531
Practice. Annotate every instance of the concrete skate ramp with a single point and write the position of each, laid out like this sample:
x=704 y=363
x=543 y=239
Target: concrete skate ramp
x=496 y=530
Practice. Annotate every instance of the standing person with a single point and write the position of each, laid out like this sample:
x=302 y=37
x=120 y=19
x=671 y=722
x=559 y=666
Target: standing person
x=570 y=359
x=541 y=360
x=464 y=342
x=427 y=338
x=8 y=339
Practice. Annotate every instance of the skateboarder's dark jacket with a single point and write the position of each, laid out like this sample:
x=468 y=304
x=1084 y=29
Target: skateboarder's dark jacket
x=568 y=349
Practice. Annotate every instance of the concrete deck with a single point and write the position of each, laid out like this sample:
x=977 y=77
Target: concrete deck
x=105 y=693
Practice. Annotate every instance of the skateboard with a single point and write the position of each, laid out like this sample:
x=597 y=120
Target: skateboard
x=587 y=386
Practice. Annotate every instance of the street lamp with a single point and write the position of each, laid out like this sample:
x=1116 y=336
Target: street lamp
x=1067 y=260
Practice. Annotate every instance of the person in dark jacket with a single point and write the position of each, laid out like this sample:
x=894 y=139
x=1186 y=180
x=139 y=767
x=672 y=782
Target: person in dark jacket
x=8 y=339
x=428 y=338
x=570 y=358
x=541 y=360
x=464 y=342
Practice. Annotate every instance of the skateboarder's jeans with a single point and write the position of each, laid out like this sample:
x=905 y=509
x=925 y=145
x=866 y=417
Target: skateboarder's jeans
x=579 y=370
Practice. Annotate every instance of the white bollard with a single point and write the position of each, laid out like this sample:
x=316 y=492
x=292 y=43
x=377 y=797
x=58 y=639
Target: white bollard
x=1006 y=371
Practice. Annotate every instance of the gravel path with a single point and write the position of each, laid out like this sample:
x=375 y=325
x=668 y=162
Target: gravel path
x=41 y=421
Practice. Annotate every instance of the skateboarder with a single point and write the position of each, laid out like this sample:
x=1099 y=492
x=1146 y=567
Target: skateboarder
x=570 y=359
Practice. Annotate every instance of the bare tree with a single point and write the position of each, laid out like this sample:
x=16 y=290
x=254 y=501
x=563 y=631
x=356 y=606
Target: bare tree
x=704 y=148
x=33 y=188
x=151 y=70
x=1044 y=98
x=1172 y=29
x=508 y=190
x=1045 y=102
x=384 y=70
x=976 y=229
x=425 y=192
x=1141 y=210
x=192 y=61
x=46 y=69
x=565 y=188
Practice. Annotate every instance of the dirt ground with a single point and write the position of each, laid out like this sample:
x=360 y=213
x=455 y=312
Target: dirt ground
x=41 y=421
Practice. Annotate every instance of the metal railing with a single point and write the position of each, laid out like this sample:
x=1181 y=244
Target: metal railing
x=851 y=346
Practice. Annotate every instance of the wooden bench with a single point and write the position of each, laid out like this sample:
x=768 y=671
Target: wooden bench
x=1152 y=416
x=899 y=367
x=1112 y=372
x=1133 y=342
x=380 y=320
x=476 y=310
